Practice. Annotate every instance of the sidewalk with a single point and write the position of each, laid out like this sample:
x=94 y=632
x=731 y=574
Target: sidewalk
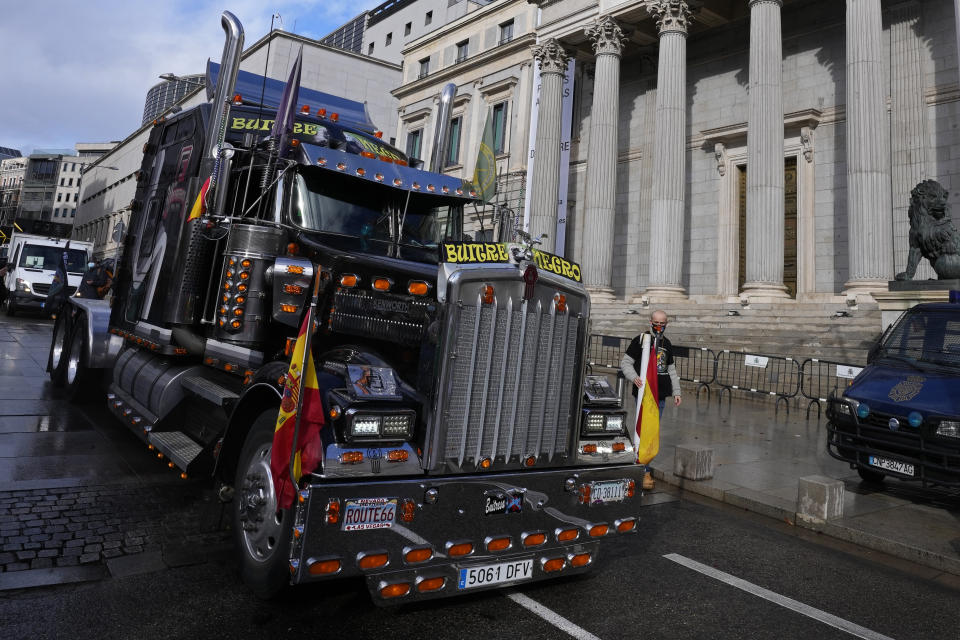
x=760 y=454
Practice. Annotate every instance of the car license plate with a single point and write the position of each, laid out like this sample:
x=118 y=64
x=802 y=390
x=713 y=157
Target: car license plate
x=607 y=491
x=892 y=465
x=364 y=514
x=487 y=574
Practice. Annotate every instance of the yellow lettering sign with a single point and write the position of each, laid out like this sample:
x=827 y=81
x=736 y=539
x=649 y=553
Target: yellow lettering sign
x=473 y=252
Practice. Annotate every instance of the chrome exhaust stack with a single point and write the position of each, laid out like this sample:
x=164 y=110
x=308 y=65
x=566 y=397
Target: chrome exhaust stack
x=441 y=136
x=229 y=66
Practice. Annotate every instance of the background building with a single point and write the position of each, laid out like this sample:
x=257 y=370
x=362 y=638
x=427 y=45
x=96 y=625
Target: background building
x=165 y=94
x=12 y=171
x=7 y=152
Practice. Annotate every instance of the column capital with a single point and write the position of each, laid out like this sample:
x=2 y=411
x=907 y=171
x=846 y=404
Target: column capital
x=551 y=56
x=754 y=3
x=672 y=16
x=607 y=36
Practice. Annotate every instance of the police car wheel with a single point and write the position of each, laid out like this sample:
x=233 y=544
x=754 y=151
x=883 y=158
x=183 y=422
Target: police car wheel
x=871 y=477
x=262 y=532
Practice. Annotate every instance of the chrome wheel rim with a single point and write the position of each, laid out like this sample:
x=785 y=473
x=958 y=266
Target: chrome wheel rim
x=260 y=521
x=59 y=338
x=73 y=360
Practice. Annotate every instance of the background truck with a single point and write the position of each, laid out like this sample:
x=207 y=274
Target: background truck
x=900 y=417
x=461 y=448
x=32 y=263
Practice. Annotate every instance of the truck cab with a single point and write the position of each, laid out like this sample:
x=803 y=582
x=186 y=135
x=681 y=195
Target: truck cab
x=900 y=417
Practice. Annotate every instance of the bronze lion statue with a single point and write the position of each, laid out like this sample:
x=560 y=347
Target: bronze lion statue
x=932 y=232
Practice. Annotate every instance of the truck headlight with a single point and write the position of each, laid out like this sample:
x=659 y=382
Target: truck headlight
x=23 y=285
x=844 y=407
x=387 y=425
x=596 y=423
x=949 y=429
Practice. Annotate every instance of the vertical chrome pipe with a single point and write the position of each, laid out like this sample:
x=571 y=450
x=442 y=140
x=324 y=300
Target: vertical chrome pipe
x=441 y=135
x=227 y=79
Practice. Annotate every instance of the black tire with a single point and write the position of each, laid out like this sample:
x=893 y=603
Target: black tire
x=869 y=476
x=59 y=342
x=261 y=534
x=81 y=382
x=11 y=306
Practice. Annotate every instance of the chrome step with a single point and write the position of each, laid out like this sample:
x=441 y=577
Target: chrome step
x=208 y=390
x=180 y=448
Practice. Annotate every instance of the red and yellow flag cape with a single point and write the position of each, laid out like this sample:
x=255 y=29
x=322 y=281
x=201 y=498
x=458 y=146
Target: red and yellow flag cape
x=648 y=406
x=309 y=446
x=200 y=206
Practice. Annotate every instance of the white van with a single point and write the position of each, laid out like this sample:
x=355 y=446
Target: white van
x=32 y=263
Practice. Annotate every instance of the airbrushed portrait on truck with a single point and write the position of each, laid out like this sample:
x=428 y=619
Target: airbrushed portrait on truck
x=299 y=313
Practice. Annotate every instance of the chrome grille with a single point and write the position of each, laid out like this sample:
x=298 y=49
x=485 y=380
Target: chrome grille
x=510 y=382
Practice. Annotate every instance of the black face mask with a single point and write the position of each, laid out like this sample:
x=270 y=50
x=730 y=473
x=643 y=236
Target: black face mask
x=657 y=331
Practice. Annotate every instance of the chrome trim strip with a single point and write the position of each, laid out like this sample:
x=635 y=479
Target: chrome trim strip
x=486 y=378
x=469 y=394
x=503 y=382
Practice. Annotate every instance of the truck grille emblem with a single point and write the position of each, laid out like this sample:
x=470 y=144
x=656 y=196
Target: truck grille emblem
x=530 y=278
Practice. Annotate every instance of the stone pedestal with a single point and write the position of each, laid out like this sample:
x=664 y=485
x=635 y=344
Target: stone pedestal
x=693 y=462
x=903 y=294
x=819 y=498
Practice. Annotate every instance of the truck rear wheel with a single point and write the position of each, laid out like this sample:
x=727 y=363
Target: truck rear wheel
x=870 y=477
x=261 y=531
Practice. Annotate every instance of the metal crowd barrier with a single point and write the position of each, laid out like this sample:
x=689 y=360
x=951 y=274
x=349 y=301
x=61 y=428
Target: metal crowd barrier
x=820 y=378
x=606 y=351
x=697 y=365
x=758 y=373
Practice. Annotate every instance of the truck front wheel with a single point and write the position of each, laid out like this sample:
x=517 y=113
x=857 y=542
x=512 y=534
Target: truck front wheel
x=261 y=530
x=57 y=363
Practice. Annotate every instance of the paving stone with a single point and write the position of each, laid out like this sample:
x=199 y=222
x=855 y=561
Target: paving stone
x=41 y=563
x=16 y=566
x=32 y=545
x=26 y=555
x=13 y=546
x=112 y=553
x=87 y=558
x=68 y=561
x=76 y=542
x=48 y=553
x=93 y=548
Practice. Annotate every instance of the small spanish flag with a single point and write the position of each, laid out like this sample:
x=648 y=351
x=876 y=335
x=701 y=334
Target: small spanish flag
x=648 y=406
x=200 y=206
x=309 y=447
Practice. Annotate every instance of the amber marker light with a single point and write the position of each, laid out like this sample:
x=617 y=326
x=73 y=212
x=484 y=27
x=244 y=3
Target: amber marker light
x=589 y=448
x=341 y=166
x=416 y=186
x=183 y=476
x=498 y=544
x=351 y=457
x=631 y=488
x=534 y=539
x=378 y=134
x=324 y=567
x=348 y=280
x=293 y=249
x=288 y=308
x=373 y=561
x=554 y=564
x=561 y=301
x=408 y=509
x=305 y=109
x=245 y=263
x=237 y=98
x=486 y=463
x=361 y=171
x=334 y=116
x=396 y=589
x=398 y=455
x=235 y=324
x=367 y=154
x=397 y=182
x=459 y=550
x=334 y=412
x=382 y=284
x=580 y=560
x=567 y=535
x=322 y=113
x=333 y=511
x=487 y=294
x=599 y=530
x=417 y=288
x=241 y=287
x=295 y=268
x=416 y=556
x=293 y=289
x=241 y=299
x=238 y=312
x=431 y=584
x=530 y=461
x=626 y=525
x=379 y=177
x=244 y=275
x=619 y=447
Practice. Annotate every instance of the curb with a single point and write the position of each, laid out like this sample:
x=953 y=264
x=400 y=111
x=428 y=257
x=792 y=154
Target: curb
x=785 y=511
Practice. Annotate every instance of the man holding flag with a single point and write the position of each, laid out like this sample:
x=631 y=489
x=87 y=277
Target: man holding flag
x=656 y=379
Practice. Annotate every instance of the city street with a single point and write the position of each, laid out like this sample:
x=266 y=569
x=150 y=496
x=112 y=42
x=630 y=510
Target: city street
x=101 y=540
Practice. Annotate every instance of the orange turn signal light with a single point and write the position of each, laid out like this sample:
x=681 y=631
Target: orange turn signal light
x=417 y=288
x=431 y=584
x=534 y=539
x=487 y=294
x=598 y=530
x=408 y=509
x=333 y=511
x=397 y=589
x=293 y=289
x=398 y=455
x=589 y=448
x=348 y=280
x=619 y=447
x=373 y=561
x=626 y=525
x=416 y=556
x=323 y=567
x=498 y=544
x=351 y=457
x=580 y=560
x=295 y=268
x=288 y=308
x=382 y=284
x=561 y=302
x=461 y=549
x=566 y=535
x=554 y=564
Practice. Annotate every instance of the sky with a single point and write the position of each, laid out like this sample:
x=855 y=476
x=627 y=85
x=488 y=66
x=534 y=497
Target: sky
x=79 y=71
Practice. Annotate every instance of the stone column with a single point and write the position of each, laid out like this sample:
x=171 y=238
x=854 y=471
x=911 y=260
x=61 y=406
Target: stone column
x=869 y=217
x=765 y=207
x=908 y=125
x=608 y=41
x=546 y=164
x=669 y=156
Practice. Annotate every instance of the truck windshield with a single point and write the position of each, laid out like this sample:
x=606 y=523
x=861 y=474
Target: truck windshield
x=925 y=338
x=373 y=213
x=38 y=256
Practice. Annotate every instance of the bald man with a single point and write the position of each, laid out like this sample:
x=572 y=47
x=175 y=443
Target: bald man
x=668 y=382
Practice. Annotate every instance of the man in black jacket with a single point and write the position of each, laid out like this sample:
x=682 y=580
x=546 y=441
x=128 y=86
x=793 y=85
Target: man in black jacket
x=668 y=382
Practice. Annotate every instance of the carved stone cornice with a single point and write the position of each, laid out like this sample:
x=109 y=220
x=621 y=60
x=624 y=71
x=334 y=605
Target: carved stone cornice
x=551 y=57
x=671 y=16
x=606 y=36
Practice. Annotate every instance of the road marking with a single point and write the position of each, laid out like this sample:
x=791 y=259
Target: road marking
x=551 y=616
x=776 y=598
